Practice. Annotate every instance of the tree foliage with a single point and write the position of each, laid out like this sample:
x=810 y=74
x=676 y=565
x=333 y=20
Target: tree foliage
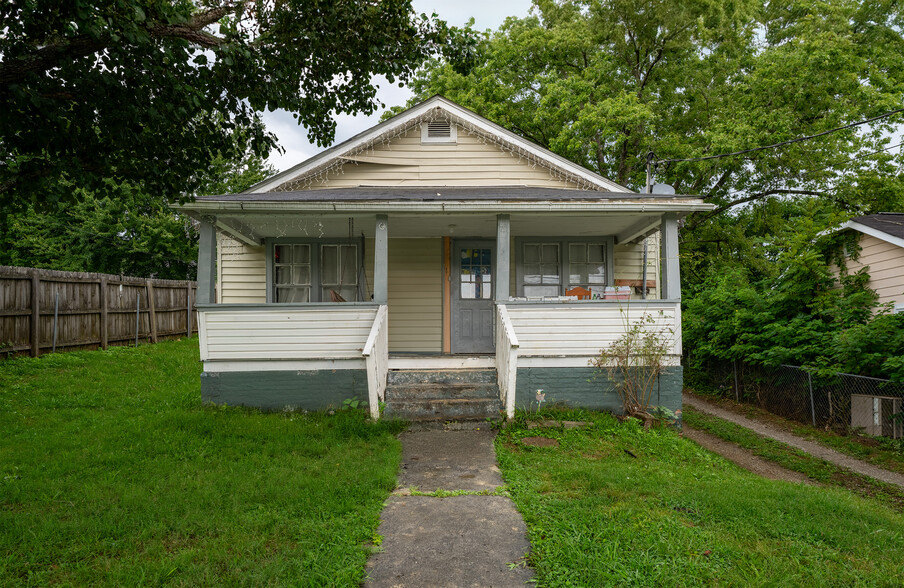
x=119 y=229
x=152 y=91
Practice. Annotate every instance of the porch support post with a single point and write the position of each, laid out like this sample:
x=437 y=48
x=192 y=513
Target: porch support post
x=671 y=280
x=381 y=260
x=207 y=255
x=503 y=255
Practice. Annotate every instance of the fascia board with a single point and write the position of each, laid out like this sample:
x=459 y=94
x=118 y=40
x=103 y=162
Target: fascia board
x=874 y=233
x=547 y=207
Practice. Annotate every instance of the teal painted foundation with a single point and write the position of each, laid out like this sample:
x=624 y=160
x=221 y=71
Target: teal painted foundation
x=589 y=388
x=284 y=390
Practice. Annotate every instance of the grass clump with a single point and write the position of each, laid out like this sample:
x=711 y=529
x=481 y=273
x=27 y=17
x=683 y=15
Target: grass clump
x=613 y=504
x=113 y=473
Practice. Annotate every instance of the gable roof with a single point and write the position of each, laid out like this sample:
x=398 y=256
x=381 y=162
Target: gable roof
x=435 y=108
x=887 y=226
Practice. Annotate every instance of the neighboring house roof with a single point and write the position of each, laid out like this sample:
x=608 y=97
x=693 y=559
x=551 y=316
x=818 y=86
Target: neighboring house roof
x=887 y=226
x=435 y=108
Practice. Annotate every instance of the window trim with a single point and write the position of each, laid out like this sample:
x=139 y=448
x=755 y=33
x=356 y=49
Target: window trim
x=564 y=261
x=316 y=285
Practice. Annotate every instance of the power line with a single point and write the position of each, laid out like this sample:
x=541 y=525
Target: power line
x=783 y=143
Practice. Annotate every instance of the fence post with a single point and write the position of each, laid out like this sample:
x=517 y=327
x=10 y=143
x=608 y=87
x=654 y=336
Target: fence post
x=35 y=314
x=56 y=314
x=152 y=315
x=188 y=326
x=737 y=389
x=104 y=314
x=137 y=315
x=812 y=405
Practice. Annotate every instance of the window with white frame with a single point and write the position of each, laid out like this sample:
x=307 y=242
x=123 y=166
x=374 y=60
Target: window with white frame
x=314 y=272
x=548 y=267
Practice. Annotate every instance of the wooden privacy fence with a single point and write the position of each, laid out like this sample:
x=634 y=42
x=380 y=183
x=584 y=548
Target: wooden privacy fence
x=43 y=310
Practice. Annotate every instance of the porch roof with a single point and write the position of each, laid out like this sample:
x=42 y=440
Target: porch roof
x=444 y=200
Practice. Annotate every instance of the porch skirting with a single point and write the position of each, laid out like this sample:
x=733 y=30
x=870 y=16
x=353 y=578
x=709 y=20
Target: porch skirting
x=587 y=387
x=284 y=390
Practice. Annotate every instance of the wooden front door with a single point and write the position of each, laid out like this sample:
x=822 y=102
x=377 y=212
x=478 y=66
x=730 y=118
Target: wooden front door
x=473 y=292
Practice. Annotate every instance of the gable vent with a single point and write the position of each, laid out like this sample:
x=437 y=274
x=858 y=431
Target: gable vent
x=438 y=131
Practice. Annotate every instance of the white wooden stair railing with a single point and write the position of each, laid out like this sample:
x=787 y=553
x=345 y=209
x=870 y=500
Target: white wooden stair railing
x=506 y=360
x=376 y=359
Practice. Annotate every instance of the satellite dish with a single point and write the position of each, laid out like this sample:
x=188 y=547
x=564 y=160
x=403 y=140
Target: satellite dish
x=663 y=189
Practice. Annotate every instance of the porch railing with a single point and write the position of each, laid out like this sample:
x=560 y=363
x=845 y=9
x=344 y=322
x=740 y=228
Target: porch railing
x=376 y=358
x=238 y=332
x=506 y=360
x=581 y=330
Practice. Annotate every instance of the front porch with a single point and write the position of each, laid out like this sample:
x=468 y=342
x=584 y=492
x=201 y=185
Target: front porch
x=492 y=295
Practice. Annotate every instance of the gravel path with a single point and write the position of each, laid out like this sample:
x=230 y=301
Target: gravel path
x=814 y=449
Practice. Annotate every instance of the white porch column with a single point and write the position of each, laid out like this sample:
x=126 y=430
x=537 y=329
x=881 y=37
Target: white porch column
x=671 y=279
x=503 y=255
x=381 y=260
x=207 y=261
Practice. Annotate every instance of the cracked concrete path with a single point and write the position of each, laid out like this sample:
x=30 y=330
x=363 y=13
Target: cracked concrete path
x=466 y=540
x=814 y=449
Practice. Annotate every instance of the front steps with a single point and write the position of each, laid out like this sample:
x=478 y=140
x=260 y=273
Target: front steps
x=442 y=395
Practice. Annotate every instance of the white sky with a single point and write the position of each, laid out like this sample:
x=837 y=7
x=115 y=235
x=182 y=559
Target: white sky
x=488 y=14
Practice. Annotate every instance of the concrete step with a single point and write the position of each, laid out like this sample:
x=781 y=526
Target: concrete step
x=448 y=409
x=463 y=376
x=439 y=391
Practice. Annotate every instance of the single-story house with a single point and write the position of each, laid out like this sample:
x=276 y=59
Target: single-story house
x=436 y=262
x=880 y=238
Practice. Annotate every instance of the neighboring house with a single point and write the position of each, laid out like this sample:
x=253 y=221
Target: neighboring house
x=429 y=245
x=881 y=242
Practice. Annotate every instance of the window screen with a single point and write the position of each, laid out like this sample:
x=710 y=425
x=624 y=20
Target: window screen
x=292 y=273
x=587 y=265
x=541 y=269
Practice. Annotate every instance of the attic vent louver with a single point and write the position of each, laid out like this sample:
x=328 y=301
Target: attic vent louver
x=438 y=131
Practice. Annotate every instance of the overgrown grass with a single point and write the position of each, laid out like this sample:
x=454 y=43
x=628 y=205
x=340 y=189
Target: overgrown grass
x=792 y=458
x=613 y=505
x=112 y=473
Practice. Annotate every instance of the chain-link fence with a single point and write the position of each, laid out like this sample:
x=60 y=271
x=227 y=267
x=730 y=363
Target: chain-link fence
x=842 y=402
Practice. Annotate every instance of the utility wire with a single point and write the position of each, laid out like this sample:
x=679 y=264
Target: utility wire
x=783 y=143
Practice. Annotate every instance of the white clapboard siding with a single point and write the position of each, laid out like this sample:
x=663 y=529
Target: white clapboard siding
x=628 y=259
x=404 y=161
x=886 y=268
x=242 y=272
x=310 y=333
x=583 y=329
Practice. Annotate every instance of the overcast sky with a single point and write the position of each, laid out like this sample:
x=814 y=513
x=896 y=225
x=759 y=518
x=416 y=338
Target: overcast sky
x=488 y=14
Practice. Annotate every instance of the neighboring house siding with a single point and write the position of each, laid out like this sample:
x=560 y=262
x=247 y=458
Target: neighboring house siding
x=242 y=272
x=470 y=162
x=886 y=268
x=415 y=294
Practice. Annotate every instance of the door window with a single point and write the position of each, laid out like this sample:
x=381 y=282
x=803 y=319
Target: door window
x=476 y=270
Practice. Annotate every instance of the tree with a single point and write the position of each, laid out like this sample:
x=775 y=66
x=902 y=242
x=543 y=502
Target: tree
x=604 y=82
x=151 y=91
x=119 y=229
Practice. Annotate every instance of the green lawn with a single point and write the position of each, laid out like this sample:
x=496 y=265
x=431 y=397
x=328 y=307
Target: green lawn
x=112 y=473
x=673 y=514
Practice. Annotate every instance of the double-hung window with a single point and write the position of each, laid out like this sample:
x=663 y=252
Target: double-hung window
x=315 y=271
x=547 y=267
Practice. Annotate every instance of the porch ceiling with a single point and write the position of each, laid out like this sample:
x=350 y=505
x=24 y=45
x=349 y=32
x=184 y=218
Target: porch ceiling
x=624 y=226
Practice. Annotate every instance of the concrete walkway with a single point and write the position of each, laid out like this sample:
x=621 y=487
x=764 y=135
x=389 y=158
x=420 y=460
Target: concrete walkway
x=815 y=449
x=466 y=540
